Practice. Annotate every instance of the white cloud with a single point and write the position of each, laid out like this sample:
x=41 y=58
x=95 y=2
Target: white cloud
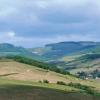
x=24 y=17
x=11 y=34
x=11 y=37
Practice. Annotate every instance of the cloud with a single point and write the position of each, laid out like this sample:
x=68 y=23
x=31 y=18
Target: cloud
x=11 y=34
x=37 y=22
x=11 y=37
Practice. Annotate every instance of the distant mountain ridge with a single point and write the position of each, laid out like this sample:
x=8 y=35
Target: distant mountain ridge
x=52 y=51
x=74 y=57
x=9 y=49
x=6 y=47
x=58 y=50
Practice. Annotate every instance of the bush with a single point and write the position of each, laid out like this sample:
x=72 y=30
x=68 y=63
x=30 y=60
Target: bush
x=45 y=81
x=40 y=81
x=88 y=89
x=61 y=83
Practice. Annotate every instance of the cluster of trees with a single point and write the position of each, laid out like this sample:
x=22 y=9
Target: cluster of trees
x=85 y=88
x=61 y=83
x=96 y=73
x=37 y=64
x=83 y=75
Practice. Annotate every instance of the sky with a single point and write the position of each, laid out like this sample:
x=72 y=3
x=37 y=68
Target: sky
x=33 y=23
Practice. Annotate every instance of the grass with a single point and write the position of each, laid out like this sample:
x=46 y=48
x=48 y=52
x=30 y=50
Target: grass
x=23 y=90
x=18 y=71
x=37 y=84
x=27 y=72
x=83 y=62
x=20 y=82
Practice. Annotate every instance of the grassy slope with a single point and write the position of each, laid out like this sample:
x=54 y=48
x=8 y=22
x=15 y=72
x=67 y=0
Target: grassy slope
x=21 y=90
x=88 y=62
x=13 y=70
x=19 y=82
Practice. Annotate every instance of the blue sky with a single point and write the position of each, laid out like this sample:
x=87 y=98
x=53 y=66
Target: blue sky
x=31 y=23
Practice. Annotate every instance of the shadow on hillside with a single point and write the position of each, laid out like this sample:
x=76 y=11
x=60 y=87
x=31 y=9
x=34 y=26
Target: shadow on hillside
x=23 y=92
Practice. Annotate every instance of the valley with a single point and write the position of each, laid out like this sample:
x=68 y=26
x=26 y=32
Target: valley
x=50 y=77
x=74 y=57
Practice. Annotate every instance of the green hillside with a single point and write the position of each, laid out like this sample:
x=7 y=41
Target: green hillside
x=63 y=57
x=73 y=57
x=9 y=49
x=88 y=63
x=22 y=90
x=22 y=80
x=52 y=52
x=25 y=78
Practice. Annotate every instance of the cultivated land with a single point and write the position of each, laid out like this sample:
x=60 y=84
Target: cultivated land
x=20 y=81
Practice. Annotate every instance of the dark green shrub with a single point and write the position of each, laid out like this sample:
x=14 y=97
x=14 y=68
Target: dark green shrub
x=40 y=81
x=61 y=83
x=45 y=81
x=87 y=89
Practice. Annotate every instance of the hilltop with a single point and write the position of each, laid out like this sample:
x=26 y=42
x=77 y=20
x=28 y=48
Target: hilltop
x=58 y=50
x=9 y=49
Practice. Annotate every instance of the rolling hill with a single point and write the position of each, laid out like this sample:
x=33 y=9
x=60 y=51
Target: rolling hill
x=9 y=49
x=20 y=80
x=58 y=50
x=87 y=63
x=18 y=90
x=20 y=64
x=11 y=69
x=73 y=56
x=70 y=57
